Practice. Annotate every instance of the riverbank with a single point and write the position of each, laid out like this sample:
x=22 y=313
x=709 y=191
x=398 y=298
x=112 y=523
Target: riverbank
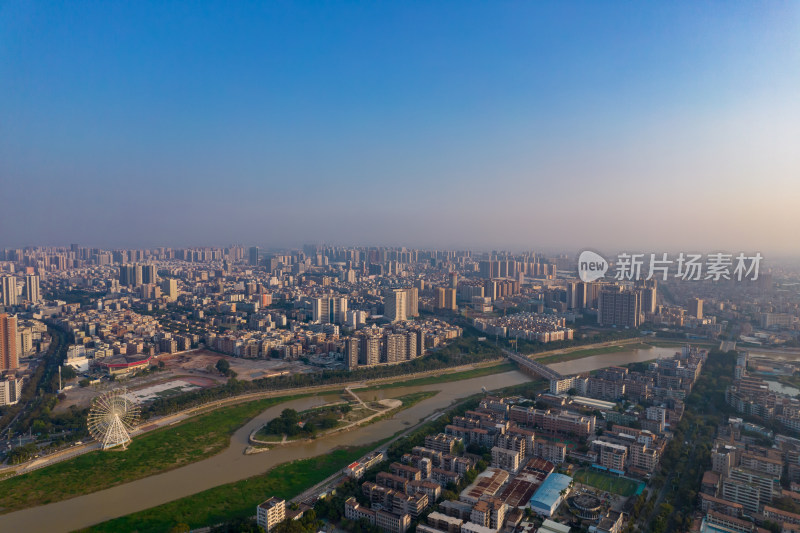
x=232 y=465
x=238 y=499
x=68 y=454
x=160 y=451
x=588 y=352
x=445 y=378
x=166 y=448
x=211 y=506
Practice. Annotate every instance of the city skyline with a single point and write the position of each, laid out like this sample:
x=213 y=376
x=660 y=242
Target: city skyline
x=460 y=126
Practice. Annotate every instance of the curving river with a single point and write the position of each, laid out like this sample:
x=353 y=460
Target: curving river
x=232 y=465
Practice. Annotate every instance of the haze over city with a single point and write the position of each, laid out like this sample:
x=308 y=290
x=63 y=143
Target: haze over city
x=557 y=126
x=399 y=267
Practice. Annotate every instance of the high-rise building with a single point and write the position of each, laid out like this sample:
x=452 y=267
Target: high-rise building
x=352 y=348
x=648 y=295
x=169 y=287
x=130 y=275
x=328 y=310
x=32 y=288
x=395 y=305
x=9 y=291
x=619 y=307
x=412 y=302
x=9 y=360
x=125 y=274
x=649 y=291
x=696 y=307
x=253 y=259
x=370 y=352
x=137 y=275
x=489 y=269
x=396 y=349
x=446 y=299
x=149 y=274
x=576 y=295
x=10 y=390
x=453 y=280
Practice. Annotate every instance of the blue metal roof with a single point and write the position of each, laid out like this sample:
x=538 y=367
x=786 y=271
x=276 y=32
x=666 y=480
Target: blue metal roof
x=549 y=493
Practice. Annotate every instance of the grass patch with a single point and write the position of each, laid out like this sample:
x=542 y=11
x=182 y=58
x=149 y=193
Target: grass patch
x=792 y=381
x=588 y=352
x=414 y=398
x=445 y=378
x=238 y=499
x=607 y=482
x=158 y=451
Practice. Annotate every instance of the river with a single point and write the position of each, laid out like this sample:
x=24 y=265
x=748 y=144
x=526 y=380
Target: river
x=232 y=465
x=596 y=362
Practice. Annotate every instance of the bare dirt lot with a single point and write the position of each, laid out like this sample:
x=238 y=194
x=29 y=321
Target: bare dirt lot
x=247 y=369
x=197 y=367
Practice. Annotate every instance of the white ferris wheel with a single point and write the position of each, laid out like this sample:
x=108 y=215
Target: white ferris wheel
x=112 y=418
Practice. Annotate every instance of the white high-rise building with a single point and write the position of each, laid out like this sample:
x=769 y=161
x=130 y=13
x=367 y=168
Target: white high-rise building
x=10 y=390
x=395 y=305
x=32 y=288
x=329 y=310
x=9 y=288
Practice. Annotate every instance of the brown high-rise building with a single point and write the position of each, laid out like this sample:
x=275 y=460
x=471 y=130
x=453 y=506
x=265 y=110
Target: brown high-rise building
x=619 y=307
x=8 y=343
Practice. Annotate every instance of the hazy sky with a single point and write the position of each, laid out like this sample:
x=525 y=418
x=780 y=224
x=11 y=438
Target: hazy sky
x=655 y=126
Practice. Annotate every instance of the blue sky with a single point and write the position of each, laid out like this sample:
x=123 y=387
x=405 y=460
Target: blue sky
x=482 y=124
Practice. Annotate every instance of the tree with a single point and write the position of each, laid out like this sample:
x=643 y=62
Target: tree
x=223 y=367
x=84 y=382
x=67 y=373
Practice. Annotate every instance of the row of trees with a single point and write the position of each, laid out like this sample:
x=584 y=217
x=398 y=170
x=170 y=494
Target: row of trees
x=688 y=454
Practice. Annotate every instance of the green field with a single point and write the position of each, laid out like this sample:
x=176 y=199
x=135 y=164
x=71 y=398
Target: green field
x=607 y=482
x=235 y=500
x=408 y=401
x=161 y=450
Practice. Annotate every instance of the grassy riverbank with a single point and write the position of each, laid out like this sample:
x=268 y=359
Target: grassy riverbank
x=164 y=449
x=589 y=352
x=446 y=378
x=235 y=500
x=239 y=499
x=152 y=453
